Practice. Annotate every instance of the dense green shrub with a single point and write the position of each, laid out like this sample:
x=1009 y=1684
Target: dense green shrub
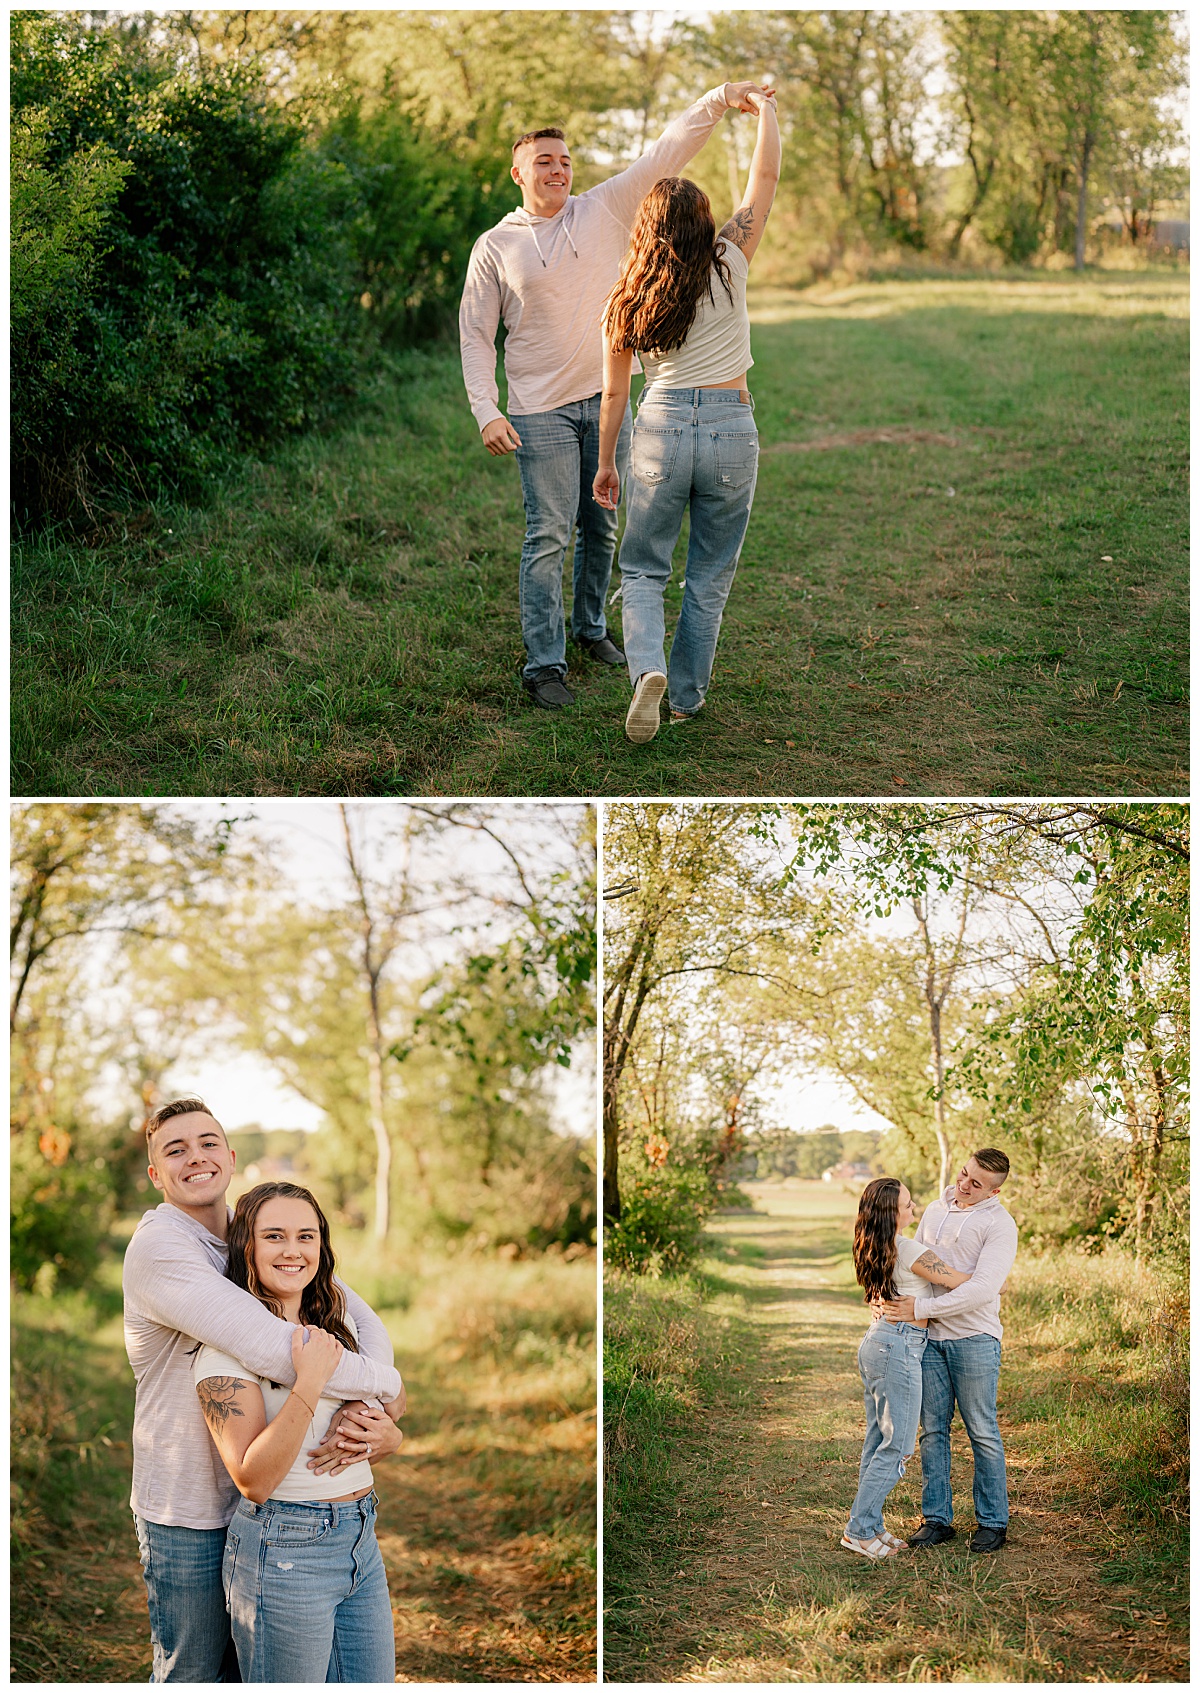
x=199 y=269
x=420 y=207
x=663 y=1212
x=60 y=1217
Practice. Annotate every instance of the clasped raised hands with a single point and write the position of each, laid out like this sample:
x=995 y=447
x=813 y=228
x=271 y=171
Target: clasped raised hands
x=746 y=96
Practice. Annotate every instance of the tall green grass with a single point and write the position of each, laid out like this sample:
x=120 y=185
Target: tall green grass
x=965 y=573
x=1102 y=1385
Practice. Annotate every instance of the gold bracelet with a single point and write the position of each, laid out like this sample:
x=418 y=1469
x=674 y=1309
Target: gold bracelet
x=311 y=1409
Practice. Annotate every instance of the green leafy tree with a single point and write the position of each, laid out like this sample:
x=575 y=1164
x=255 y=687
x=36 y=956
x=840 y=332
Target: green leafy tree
x=688 y=894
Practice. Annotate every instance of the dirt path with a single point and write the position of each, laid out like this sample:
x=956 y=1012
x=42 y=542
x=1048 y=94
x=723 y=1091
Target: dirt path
x=761 y=1590
x=486 y=1526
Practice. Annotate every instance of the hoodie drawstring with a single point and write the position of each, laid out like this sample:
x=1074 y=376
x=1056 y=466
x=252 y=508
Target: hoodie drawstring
x=540 y=254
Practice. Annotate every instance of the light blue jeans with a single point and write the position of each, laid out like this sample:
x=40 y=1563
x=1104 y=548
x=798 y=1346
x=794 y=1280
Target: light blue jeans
x=889 y=1361
x=308 y=1596
x=965 y=1371
x=694 y=450
x=189 y=1625
x=558 y=458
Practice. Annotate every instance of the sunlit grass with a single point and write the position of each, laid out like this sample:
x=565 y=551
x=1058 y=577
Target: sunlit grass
x=966 y=572
x=733 y=1425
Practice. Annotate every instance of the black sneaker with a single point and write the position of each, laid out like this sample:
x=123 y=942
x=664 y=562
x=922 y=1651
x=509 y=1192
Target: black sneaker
x=931 y=1534
x=605 y=649
x=988 y=1539
x=548 y=690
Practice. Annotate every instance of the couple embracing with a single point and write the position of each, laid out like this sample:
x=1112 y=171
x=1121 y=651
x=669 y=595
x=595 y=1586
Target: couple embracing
x=634 y=267
x=934 y=1344
x=265 y=1387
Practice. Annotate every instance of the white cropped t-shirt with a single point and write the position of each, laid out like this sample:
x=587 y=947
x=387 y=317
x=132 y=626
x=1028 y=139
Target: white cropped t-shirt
x=717 y=348
x=300 y=1485
x=909 y=1286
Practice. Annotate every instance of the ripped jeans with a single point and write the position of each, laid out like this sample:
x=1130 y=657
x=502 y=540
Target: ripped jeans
x=889 y=1361
x=307 y=1593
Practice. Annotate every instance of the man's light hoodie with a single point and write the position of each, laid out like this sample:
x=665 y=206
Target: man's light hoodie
x=548 y=279
x=981 y=1239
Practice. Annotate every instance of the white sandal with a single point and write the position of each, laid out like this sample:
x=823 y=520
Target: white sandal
x=875 y=1549
x=890 y=1540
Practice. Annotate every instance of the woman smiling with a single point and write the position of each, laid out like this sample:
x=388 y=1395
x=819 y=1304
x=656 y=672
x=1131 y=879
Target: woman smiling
x=303 y=1575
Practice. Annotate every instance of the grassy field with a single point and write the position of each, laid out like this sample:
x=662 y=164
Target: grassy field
x=487 y=1515
x=966 y=572
x=733 y=1425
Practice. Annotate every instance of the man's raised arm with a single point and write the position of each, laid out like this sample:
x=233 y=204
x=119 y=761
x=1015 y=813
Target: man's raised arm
x=680 y=141
x=182 y=1290
x=987 y=1278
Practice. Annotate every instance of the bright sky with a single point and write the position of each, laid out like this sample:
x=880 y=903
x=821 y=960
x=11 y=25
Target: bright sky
x=809 y=1099
x=306 y=843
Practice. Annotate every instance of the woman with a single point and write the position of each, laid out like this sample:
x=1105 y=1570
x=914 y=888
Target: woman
x=303 y=1575
x=889 y=1266
x=680 y=303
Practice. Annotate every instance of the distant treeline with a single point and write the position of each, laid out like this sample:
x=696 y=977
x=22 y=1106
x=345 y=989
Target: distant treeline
x=776 y=1153
x=220 y=219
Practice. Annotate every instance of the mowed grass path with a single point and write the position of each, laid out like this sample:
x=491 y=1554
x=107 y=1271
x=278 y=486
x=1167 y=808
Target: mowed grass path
x=750 y=1584
x=966 y=572
x=486 y=1518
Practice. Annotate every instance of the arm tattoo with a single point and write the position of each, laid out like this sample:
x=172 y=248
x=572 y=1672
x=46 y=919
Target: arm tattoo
x=217 y=1395
x=740 y=227
x=932 y=1262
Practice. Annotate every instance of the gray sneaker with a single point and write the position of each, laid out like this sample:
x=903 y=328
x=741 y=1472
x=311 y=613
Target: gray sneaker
x=548 y=690
x=605 y=649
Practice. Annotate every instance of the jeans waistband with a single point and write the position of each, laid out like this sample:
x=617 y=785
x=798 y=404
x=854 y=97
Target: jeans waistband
x=307 y=1508
x=695 y=396
x=903 y=1328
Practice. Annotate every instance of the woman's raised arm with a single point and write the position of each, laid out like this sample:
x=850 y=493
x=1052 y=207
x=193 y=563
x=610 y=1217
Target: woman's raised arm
x=930 y=1268
x=745 y=227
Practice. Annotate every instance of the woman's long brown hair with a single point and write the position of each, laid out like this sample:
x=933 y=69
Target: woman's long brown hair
x=673 y=251
x=322 y=1303
x=875 y=1238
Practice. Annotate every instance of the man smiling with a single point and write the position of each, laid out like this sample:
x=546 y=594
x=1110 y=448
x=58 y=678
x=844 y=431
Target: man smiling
x=176 y=1294
x=970 y=1230
x=546 y=270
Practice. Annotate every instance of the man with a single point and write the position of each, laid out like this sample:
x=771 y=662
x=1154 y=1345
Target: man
x=547 y=270
x=176 y=1295
x=970 y=1230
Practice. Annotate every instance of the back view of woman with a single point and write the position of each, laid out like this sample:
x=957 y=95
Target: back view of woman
x=680 y=303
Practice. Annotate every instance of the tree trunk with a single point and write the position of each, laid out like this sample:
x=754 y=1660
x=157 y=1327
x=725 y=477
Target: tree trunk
x=939 y=1103
x=617 y=1041
x=982 y=184
x=1137 y=1163
x=612 y=1185
x=372 y=973
x=383 y=1146
x=1085 y=165
x=935 y=997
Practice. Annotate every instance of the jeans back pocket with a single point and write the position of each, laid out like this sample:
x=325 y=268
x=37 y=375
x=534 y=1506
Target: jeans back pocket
x=737 y=456
x=653 y=454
